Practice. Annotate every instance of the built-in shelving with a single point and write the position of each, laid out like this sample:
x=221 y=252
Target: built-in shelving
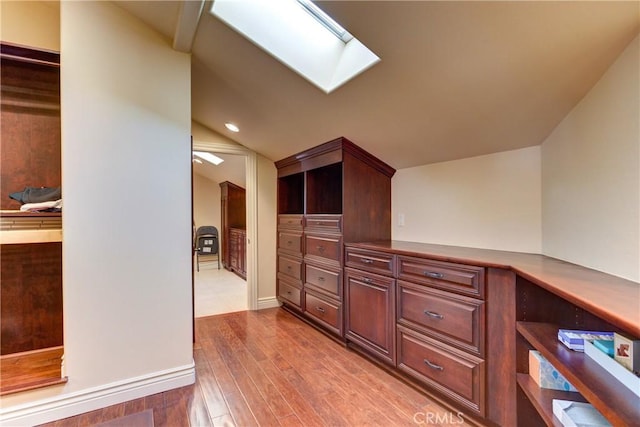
x=595 y=384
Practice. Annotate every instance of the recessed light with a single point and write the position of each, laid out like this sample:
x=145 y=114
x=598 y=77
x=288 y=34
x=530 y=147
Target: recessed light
x=232 y=127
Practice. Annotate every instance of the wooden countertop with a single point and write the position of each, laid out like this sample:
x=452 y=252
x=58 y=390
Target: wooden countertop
x=612 y=298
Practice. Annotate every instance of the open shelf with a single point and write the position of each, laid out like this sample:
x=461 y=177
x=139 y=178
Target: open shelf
x=542 y=398
x=324 y=190
x=596 y=385
x=291 y=194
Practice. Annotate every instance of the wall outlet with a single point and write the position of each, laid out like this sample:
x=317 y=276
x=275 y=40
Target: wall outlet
x=401 y=220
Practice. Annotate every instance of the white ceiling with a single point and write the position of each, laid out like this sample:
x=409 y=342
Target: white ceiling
x=457 y=79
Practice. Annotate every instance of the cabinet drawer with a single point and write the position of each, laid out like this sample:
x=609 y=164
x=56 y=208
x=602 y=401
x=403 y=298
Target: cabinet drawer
x=370 y=314
x=326 y=312
x=448 y=317
x=290 y=221
x=290 y=266
x=324 y=279
x=327 y=223
x=459 y=278
x=290 y=242
x=289 y=292
x=377 y=262
x=324 y=247
x=455 y=374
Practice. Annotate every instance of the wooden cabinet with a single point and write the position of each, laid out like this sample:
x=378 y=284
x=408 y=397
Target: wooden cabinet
x=328 y=195
x=370 y=313
x=238 y=251
x=466 y=319
x=31 y=243
x=233 y=218
x=441 y=329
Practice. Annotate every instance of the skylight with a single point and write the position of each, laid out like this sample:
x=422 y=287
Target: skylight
x=206 y=156
x=301 y=36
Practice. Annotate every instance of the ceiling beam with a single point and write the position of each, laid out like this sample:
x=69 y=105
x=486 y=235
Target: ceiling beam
x=185 y=33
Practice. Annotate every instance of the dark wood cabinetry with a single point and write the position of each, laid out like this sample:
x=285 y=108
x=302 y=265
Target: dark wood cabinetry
x=465 y=320
x=233 y=217
x=31 y=252
x=238 y=251
x=328 y=195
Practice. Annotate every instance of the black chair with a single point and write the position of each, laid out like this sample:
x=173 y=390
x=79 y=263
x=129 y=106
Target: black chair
x=207 y=243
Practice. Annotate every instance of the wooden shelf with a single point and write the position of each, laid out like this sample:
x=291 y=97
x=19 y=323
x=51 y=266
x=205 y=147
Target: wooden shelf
x=598 y=386
x=542 y=398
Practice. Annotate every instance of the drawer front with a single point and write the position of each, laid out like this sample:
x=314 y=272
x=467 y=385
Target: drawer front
x=290 y=266
x=324 y=279
x=459 y=376
x=448 y=317
x=290 y=242
x=459 y=278
x=291 y=294
x=324 y=247
x=376 y=262
x=326 y=223
x=327 y=313
x=290 y=221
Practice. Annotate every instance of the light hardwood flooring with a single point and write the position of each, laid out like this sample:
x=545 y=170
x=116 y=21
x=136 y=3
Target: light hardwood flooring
x=267 y=368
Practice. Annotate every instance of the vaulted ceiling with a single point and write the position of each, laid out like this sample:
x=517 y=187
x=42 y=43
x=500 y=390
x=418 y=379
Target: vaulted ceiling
x=456 y=79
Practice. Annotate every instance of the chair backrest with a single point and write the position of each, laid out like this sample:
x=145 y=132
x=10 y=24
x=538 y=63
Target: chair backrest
x=206 y=229
x=207 y=240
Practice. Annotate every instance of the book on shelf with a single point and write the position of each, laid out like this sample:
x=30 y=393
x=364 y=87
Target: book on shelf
x=545 y=374
x=625 y=377
x=577 y=414
x=574 y=339
x=606 y=346
x=626 y=352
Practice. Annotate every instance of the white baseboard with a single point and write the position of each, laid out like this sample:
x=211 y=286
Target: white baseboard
x=269 y=302
x=67 y=405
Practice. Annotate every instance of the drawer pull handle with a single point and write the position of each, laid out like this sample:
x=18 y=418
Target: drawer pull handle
x=366 y=260
x=433 y=274
x=320 y=309
x=288 y=292
x=433 y=365
x=367 y=280
x=433 y=314
x=289 y=267
x=320 y=278
x=289 y=242
x=320 y=248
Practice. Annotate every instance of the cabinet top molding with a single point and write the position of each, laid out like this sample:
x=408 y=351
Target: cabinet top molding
x=327 y=154
x=614 y=299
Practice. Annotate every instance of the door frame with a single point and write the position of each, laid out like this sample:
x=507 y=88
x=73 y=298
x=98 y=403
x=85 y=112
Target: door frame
x=251 y=171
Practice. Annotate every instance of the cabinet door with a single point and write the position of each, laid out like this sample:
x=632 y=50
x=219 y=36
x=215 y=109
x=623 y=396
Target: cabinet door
x=370 y=312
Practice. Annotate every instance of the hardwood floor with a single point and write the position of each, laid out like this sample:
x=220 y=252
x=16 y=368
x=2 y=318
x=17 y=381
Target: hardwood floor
x=267 y=368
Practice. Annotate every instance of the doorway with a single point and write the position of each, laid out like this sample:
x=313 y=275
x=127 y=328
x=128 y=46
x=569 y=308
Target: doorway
x=225 y=290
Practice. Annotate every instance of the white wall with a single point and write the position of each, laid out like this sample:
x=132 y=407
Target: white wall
x=127 y=218
x=267 y=223
x=490 y=201
x=591 y=175
x=31 y=23
x=206 y=202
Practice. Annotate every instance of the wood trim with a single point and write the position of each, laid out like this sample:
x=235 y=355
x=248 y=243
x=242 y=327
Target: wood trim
x=21 y=53
x=329 y=153
x=31 y=369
